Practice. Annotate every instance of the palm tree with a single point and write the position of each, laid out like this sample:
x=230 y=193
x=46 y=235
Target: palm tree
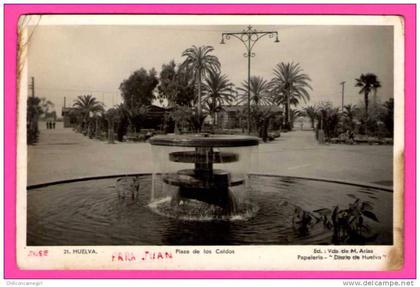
x=290 y=85
x=311 y=112
x=350 y=111
x=294 y=115
x=259 y=90
x=367 y=82
x=328 y=119
x=86 y=105
x=349 y=117
x=218 y=91
x=200 y=62
x=111 y=116
x=259 y=96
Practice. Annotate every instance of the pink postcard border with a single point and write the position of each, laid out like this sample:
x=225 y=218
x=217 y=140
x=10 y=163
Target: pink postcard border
x=11 y=15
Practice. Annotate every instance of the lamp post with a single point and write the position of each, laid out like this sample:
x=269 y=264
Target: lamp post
x=342 y=95
x=249 y=37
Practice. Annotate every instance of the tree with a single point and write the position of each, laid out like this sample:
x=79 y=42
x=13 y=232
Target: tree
x=368 y=83
x=46 y=106
x=259 y=96
x=25 y=32
x=167 y=85
x=294 y=115
x=137 y=90
x=289 y=86
x=36 y=107
x=136 y=116
x=349 y=117
x=200 y=63
x=259 y=90
x=387 y=116
x=176 y=85
x=218 y=91
x=123 y=121
x=138 y=94
x=263 y=117
x=85 y=106
x=113 y=117
x=328 y=119
x=182 y=117
x=310 y=112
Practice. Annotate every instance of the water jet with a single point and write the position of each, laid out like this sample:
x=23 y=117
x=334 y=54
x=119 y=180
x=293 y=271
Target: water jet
x=201 y=186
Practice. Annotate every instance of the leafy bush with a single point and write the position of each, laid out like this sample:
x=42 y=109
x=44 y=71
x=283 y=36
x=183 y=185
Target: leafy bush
x=349 y=225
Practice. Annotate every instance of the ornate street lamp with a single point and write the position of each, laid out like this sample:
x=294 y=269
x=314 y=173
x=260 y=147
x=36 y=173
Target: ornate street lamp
x=249 y=37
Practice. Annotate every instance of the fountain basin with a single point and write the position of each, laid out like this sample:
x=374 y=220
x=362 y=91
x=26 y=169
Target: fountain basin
x=91 y=212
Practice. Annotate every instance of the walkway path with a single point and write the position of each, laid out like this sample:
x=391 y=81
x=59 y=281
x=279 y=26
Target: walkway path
x=297 y=153
x=64 y=154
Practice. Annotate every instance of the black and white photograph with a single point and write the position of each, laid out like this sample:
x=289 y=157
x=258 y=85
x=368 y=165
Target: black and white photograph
x=241 y=131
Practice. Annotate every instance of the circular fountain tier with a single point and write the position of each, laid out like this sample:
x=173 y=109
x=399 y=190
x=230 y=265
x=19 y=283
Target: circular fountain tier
x=204 y=140
x=188 y=178
x=203 y=183
x=194 y=157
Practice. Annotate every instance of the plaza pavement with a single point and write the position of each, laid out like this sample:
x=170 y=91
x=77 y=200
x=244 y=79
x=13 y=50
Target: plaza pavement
x=64 y=154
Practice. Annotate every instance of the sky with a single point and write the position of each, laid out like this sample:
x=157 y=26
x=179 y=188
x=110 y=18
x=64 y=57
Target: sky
x=68 y=61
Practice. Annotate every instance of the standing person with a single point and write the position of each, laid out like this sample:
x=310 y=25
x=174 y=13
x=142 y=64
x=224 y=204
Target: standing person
x=53 y=125
x=47 y=123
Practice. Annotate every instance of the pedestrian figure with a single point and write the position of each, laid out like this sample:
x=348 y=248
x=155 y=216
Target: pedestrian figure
x=53 y=125
x=47 y=123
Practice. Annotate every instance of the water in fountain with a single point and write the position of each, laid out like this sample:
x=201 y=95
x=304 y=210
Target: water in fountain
x=195 y=175
x=205 y=183
x=94 y=212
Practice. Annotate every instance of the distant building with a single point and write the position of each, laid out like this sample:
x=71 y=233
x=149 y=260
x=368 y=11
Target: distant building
x=68 y=118
x=230 y=117
x=156 y=118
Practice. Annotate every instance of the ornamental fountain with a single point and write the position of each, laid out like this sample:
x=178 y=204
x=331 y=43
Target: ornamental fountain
x=204 y=191
x=202 y=185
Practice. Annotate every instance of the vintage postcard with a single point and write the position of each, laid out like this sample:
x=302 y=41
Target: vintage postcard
x=210 y=142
